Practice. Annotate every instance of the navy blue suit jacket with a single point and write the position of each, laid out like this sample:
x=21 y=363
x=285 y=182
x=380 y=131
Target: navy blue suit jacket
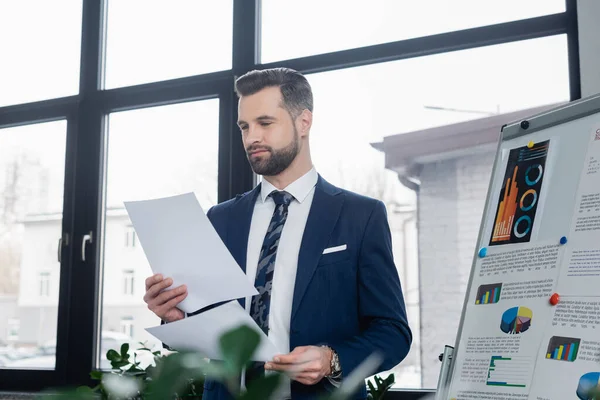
x=350 y=300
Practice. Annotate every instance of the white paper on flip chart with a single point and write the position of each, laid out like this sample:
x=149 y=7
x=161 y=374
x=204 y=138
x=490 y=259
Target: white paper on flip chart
x=180 y=242
x=202 y=332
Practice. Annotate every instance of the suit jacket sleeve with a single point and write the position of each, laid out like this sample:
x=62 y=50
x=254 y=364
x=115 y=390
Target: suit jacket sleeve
x=381 y=304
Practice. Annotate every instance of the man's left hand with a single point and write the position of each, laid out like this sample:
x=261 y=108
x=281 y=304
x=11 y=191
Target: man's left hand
x=306 y=364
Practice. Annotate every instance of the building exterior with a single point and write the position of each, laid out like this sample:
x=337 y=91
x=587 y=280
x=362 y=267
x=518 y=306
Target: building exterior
x=34 y=312
x=9 y=321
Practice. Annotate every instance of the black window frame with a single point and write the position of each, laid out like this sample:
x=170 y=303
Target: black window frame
x=86 y=115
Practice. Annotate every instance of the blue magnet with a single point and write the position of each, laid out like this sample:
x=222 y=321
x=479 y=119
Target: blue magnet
x=482 y=252
x=563 y=240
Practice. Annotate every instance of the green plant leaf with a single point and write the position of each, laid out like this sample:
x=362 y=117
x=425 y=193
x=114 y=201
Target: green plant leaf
x=173 y=374
x=263 y=388
x=371 y=387
x=112 y=355
x=144 y=349
x=134 y=368
x=119 y=364
x=237 y=346
x=125 y=350
x=216 y=371
x=96 y=375
x=381 y=386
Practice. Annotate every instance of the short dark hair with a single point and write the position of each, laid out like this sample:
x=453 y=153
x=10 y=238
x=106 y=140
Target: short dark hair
x=295 y=89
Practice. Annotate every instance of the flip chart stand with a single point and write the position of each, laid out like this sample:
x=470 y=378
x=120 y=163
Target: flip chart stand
x=447 y=357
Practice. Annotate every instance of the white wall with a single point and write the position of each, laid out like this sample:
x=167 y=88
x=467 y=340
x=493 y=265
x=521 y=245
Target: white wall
x=118 y=258
x=39 y=254
x=588 y=12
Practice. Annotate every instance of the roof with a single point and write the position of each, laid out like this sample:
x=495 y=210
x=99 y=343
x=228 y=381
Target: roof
x=404 y=150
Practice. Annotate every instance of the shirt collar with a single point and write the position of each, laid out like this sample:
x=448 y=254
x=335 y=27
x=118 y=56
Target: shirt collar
x=300 y=188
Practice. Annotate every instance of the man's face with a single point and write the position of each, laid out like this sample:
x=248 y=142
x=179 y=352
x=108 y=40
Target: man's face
x=268 y=132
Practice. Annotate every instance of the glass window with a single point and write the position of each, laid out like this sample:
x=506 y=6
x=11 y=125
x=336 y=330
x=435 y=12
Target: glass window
x=130 y=236
x=154 y=152
x=317 y=27
x=40 y=49
x=434 y=228
x=127 y=326
x=44 y=284
x=13 y=330
x=32 y=168
x=149 y=41
x=128 y=282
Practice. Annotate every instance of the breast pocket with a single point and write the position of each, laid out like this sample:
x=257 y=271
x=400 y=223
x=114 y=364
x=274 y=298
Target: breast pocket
x=333 y=255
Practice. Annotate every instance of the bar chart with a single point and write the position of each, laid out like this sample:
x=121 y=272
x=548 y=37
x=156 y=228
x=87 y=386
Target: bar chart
x=507 y=209
x=509 y=371
x=563 y=348
x=488 y=294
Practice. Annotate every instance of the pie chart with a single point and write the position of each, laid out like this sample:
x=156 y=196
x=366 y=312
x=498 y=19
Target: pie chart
x=588 y=385
x=516 y=320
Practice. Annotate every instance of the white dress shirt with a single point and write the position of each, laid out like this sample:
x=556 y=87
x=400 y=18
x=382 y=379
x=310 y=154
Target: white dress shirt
x=286 y=260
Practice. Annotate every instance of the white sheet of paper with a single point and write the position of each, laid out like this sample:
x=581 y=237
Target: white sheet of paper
x=180 y=242
x=202 y=332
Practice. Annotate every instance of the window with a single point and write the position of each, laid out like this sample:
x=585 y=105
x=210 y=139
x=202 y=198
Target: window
x=32 y=169
x=41 y=59
x=152 y=41
x=175 y=150
x=130 y=236
x=44 y=280
x=335 y=25
x=360 y=106
x=128 y=283
x=13 y=330
x=183 y=55
x=127 y=326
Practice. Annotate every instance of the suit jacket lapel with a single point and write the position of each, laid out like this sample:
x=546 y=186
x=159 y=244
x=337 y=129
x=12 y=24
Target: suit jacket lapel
x=324 y=213
x=238 y=229
x=238 y=226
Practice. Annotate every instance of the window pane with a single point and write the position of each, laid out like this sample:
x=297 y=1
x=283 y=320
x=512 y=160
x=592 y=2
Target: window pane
x=32 y=163
x=149 y=41
x=333 y=25
x=40 y=49
x=434 y=228
x=155 y=152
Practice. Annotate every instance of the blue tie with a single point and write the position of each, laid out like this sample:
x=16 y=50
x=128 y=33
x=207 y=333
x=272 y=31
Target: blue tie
x=261 y=303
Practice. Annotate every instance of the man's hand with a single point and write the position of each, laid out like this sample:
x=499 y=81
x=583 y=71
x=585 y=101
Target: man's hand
x=306 y=364
x=164 y=304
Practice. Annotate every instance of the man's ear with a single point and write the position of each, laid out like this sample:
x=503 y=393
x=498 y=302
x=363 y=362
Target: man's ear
x=304 y=122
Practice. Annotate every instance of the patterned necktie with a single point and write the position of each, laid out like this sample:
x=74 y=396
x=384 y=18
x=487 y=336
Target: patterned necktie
x=261 y=303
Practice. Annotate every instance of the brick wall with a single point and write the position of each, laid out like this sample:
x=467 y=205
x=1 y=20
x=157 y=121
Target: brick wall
x=450 y=206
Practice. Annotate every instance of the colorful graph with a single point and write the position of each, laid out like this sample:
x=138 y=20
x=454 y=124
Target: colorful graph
x=506 y=210
x=488 y=294
x=509 y=371
x=563 y=348
x=588 y=385
x=519 y=197
x=516 y=320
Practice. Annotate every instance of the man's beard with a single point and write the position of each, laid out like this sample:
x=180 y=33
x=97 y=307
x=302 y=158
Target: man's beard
x=279 y=160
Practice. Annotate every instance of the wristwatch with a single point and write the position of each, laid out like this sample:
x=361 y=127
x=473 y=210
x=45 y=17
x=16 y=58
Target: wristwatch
x=336 y=367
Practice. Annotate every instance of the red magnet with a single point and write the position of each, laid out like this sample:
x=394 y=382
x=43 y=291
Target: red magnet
x=554 y=299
